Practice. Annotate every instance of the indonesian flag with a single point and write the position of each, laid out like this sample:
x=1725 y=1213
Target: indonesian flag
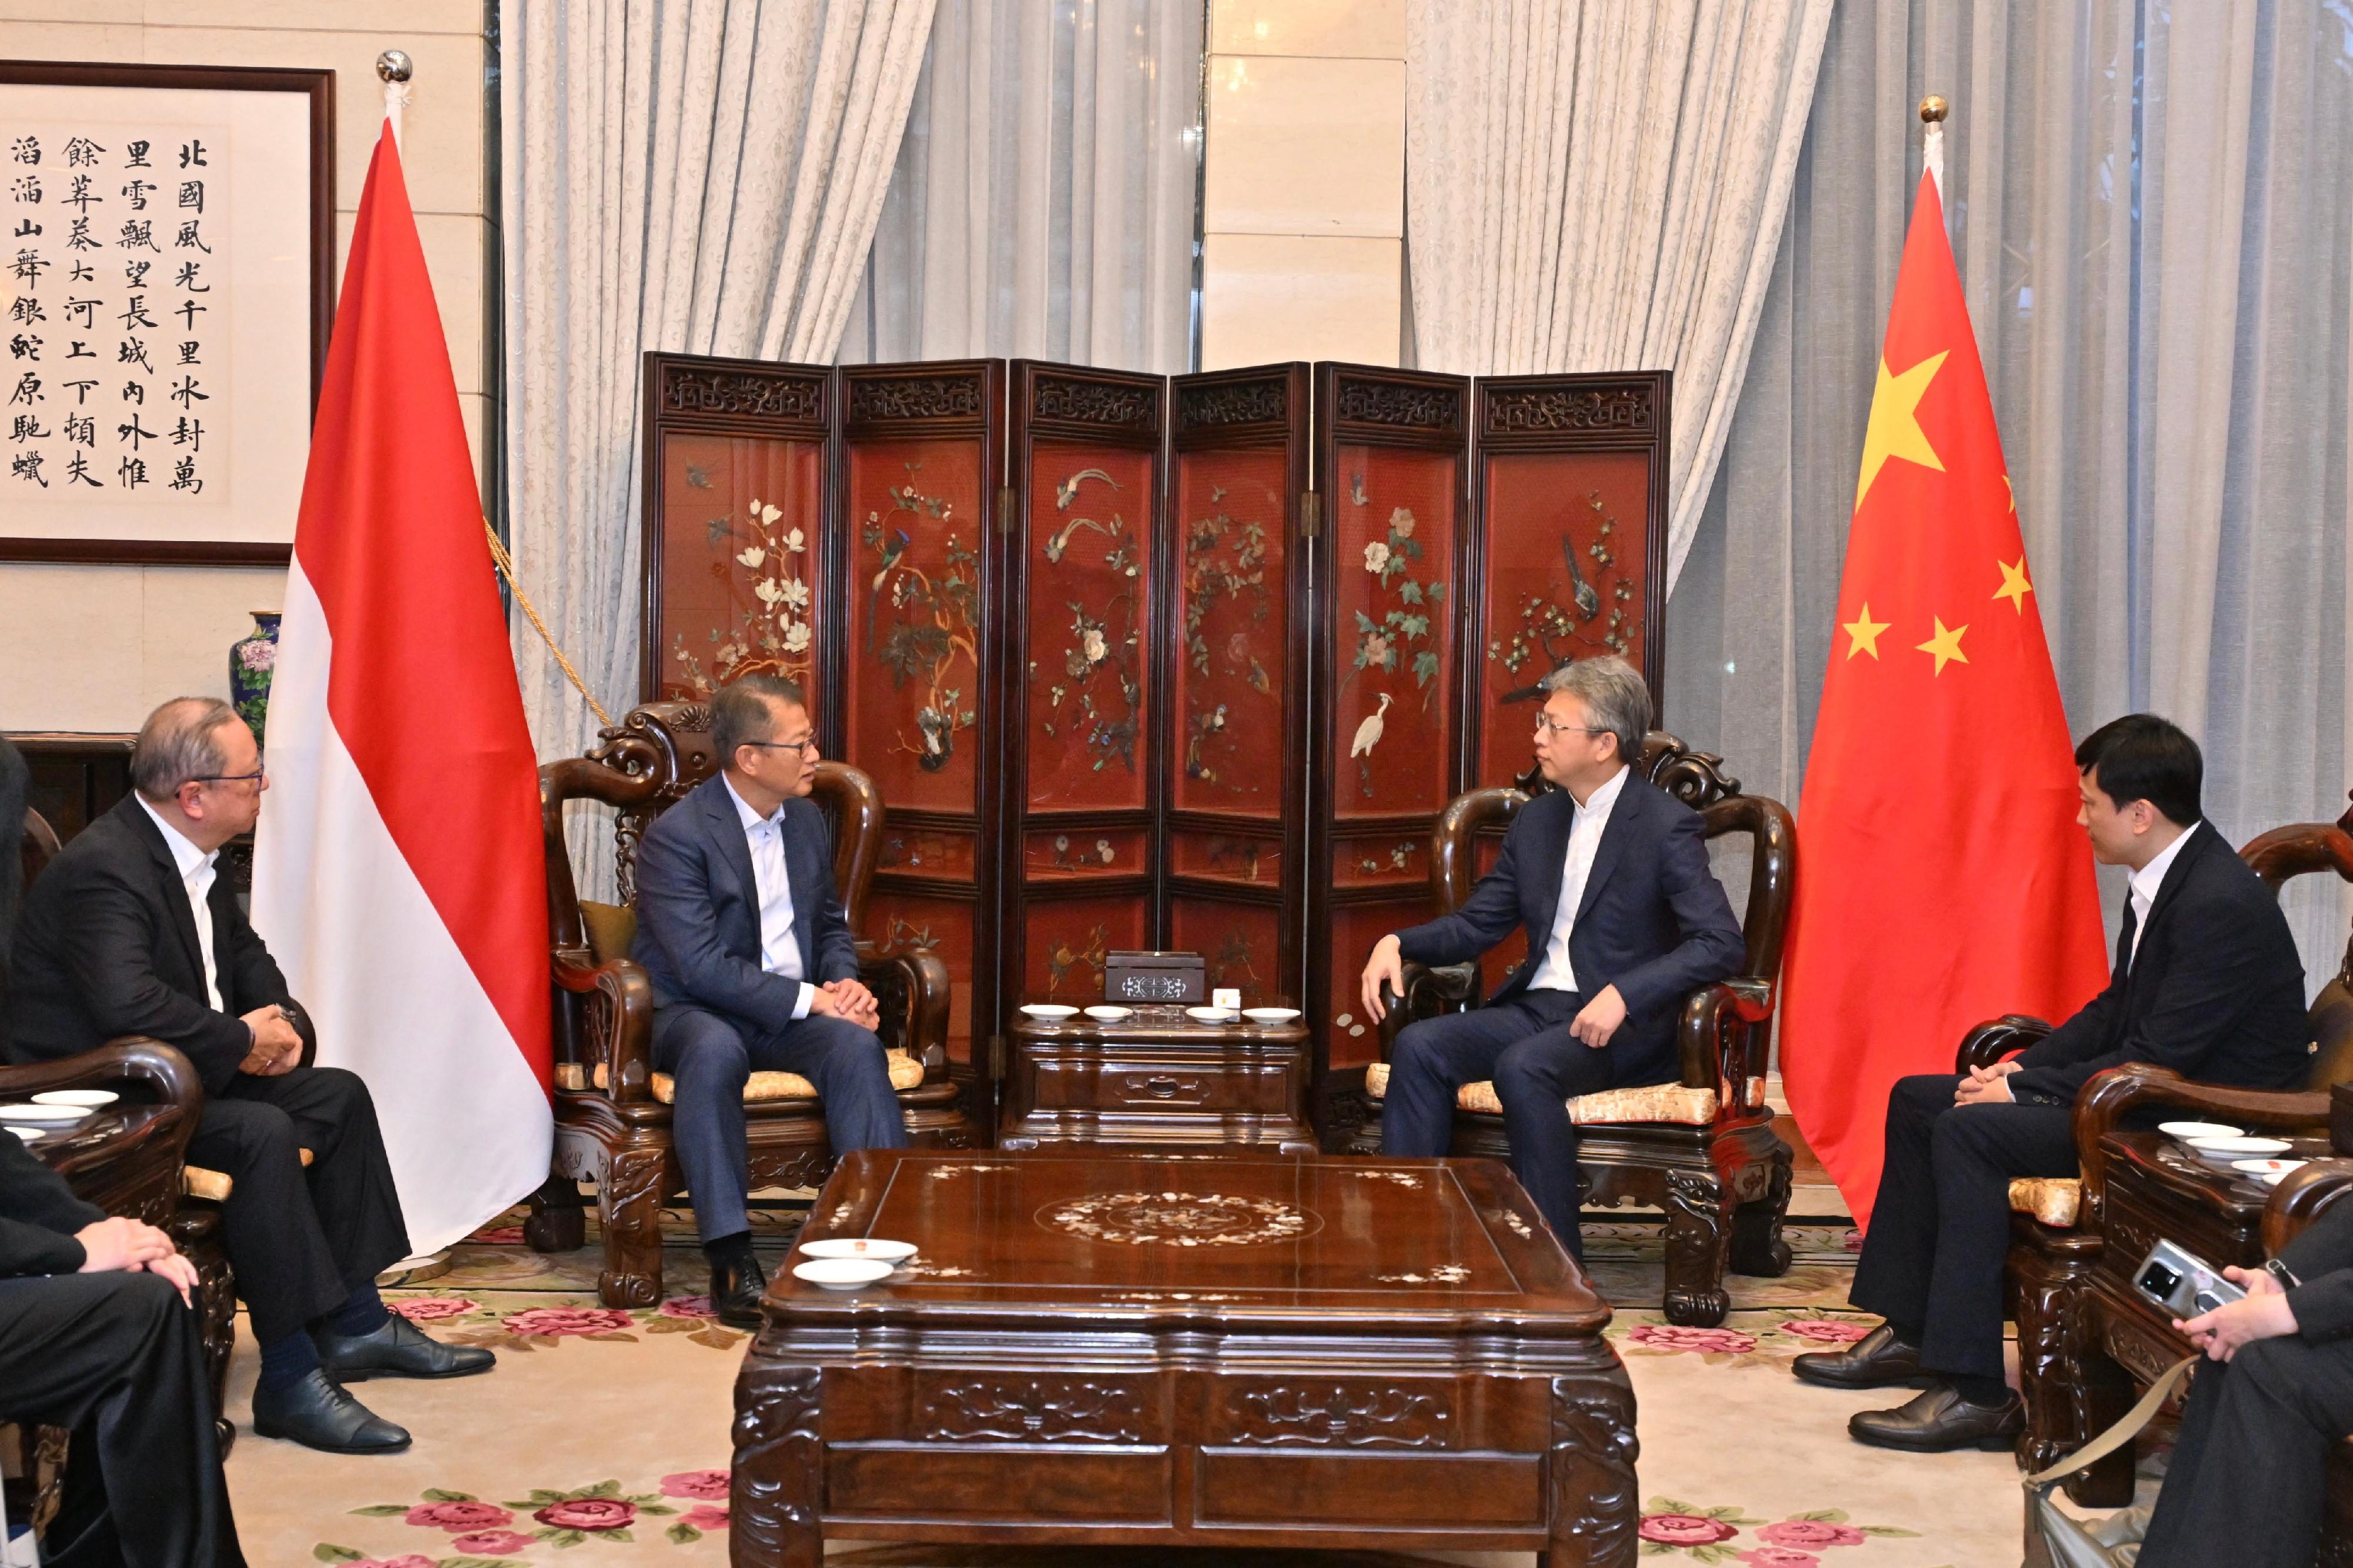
x=398 y=876
x=1944 y=879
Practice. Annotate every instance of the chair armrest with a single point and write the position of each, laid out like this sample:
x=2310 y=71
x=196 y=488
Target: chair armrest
x=1995 y=1038
x=621 y=1022
x=1717 y=1034
x=131 y=1058
x=2104 y=1099
x=2303 y=1196
x=911 y=989
x=1429 y=991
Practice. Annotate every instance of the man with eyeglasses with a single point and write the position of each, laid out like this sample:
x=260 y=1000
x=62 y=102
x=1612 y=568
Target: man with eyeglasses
x=1608 y=877
x=131 y=930
x=753 y=968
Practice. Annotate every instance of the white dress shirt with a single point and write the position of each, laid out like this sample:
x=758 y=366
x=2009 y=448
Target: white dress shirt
x=1554 y=972
x=196 y=877
x=780 y=949
x=2145 y=885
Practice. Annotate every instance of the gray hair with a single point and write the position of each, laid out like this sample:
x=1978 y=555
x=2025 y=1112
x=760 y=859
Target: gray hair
x=180 y=742
x=741 y=713
x=1616 y=699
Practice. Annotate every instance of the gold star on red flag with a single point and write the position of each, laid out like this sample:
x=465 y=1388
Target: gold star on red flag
x=1894 y=428
x=1864 y=631
x=2014 y=585
x=1946 y=645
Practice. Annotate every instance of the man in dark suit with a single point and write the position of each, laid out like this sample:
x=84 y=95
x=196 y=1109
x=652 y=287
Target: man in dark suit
x=14 y=780
x=753 y=968
x=2207 y=982
x=1609 y=877
x=130 y=930
x=2272 y=1400
x=98 y=1335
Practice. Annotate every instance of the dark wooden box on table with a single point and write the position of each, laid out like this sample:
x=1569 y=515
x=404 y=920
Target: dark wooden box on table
x=1199 y=1350
x=1156 y=1079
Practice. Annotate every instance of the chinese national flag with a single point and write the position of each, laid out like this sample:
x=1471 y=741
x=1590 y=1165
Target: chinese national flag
x=1944 y=880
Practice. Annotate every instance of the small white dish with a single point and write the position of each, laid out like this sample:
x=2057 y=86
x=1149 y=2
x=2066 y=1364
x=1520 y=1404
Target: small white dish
x=1110 y=1014
x=2275 y=1178
x=46 y=1115
x=861 y=1247
x=1210 y=1015
x=2188 y=1130
x=2231 y=1151
x=87 y=1099
x=1049 y=1010
x=1270 y=1015
x=842 y=1273
x=28 y=1134
x=2269 y=1170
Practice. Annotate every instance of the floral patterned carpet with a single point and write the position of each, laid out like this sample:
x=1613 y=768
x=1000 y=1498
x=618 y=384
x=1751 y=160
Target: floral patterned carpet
x=601 y=1441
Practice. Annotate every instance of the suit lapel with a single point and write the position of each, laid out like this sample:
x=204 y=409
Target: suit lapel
x=1553 y=868
x=1612 y=847
x=799 y=875
x=2177 y=877
x=171 y=889
x=726 y=829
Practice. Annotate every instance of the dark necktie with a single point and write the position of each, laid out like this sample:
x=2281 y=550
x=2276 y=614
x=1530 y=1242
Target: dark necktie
x=2125 y=936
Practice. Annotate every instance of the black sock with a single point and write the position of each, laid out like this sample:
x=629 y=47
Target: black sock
x=285 y=1363
x=362 y=1312
x=1986 y=1392
x=732 y=1251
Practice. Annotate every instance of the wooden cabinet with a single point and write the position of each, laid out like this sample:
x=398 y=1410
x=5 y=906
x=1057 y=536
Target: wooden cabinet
x=1156 y=1079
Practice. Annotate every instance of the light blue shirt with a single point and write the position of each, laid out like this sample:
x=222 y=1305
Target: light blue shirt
x=780 y=949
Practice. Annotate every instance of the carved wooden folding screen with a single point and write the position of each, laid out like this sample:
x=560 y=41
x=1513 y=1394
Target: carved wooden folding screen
x=1392 y=470
x=737 y=460
x=914 y=699
x=1236 y=665
x=1084 y=594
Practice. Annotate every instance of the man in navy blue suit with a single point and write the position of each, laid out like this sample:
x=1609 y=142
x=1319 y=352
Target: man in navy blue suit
x=753 y=968
x=1624 y=919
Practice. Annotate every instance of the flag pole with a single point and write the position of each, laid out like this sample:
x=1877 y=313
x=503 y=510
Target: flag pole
x=1933 y=109
x=396 y=67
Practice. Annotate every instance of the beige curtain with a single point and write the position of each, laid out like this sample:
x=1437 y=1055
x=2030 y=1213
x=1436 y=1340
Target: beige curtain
x=1599 y=185
x=690 y=176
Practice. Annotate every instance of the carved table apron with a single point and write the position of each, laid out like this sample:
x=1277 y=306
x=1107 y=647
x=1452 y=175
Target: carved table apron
x=1156 y=1079
x=1190 y=1350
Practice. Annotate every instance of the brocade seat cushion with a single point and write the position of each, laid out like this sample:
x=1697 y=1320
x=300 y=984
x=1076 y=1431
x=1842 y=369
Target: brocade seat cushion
x=906 y=1072
x=2052 y=1200
x=1669 y=1102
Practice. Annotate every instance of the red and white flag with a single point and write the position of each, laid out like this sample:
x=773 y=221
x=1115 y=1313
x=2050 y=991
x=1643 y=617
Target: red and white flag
x=398 y=876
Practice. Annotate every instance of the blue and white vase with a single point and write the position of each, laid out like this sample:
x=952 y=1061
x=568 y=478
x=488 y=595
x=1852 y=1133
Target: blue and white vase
x=251 y=661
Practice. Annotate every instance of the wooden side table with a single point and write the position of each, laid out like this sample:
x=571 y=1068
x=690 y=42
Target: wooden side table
x=1156 y=1079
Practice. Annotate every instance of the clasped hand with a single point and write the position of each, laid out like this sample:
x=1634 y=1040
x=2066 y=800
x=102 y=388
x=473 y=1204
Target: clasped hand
x=847 y=999
x=131 y=1246
x=277 y=1046
x=1986 y=1085
x=2264 y=1314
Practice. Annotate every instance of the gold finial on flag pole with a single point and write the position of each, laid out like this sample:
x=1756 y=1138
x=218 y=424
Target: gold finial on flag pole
x=1933 y=109
x=396 y=67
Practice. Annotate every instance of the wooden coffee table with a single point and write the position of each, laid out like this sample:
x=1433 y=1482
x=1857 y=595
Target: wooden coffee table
x=1156 y=1079
x=1195 y=1349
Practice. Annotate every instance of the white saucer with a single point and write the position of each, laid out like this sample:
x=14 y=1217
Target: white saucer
x=1270 y=1015
x=1110 y=1014
x=29 y=1134
x=46 y=1115
x=842 y=1273
x=1212 y=1015
x=1049 y=1010
x=2188 y=1130
x=2269 y=1170
x=861 y=1247
x=2231 y=1151
x=89 y=1098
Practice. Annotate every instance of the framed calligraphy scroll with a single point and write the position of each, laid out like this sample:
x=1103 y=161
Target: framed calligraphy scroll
x=168 y=252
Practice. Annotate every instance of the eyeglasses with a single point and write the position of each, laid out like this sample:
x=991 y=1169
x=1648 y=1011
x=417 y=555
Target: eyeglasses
x=782 y=745
x=1546 y=721
x=255 y=777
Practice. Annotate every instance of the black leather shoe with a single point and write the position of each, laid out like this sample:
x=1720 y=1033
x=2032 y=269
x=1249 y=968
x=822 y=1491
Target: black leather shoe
x=1938 y=1421
x=1878 y=1360
x=736 y=1285
x=398 y=1349
x=318 y=1414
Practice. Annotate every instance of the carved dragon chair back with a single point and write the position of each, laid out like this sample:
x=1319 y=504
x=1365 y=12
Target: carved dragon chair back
x=2300 y=849
x=1695 y=778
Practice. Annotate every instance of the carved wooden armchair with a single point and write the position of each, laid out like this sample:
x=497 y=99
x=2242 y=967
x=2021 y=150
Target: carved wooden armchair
x=2056 y=1224
x=612 y=1109
x=1701 y=1149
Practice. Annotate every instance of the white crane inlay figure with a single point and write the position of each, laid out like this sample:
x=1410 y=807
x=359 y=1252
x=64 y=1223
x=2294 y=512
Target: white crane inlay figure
x=1368 y=735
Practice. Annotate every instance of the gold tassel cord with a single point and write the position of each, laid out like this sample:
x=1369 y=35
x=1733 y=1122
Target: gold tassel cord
x=506 y=570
